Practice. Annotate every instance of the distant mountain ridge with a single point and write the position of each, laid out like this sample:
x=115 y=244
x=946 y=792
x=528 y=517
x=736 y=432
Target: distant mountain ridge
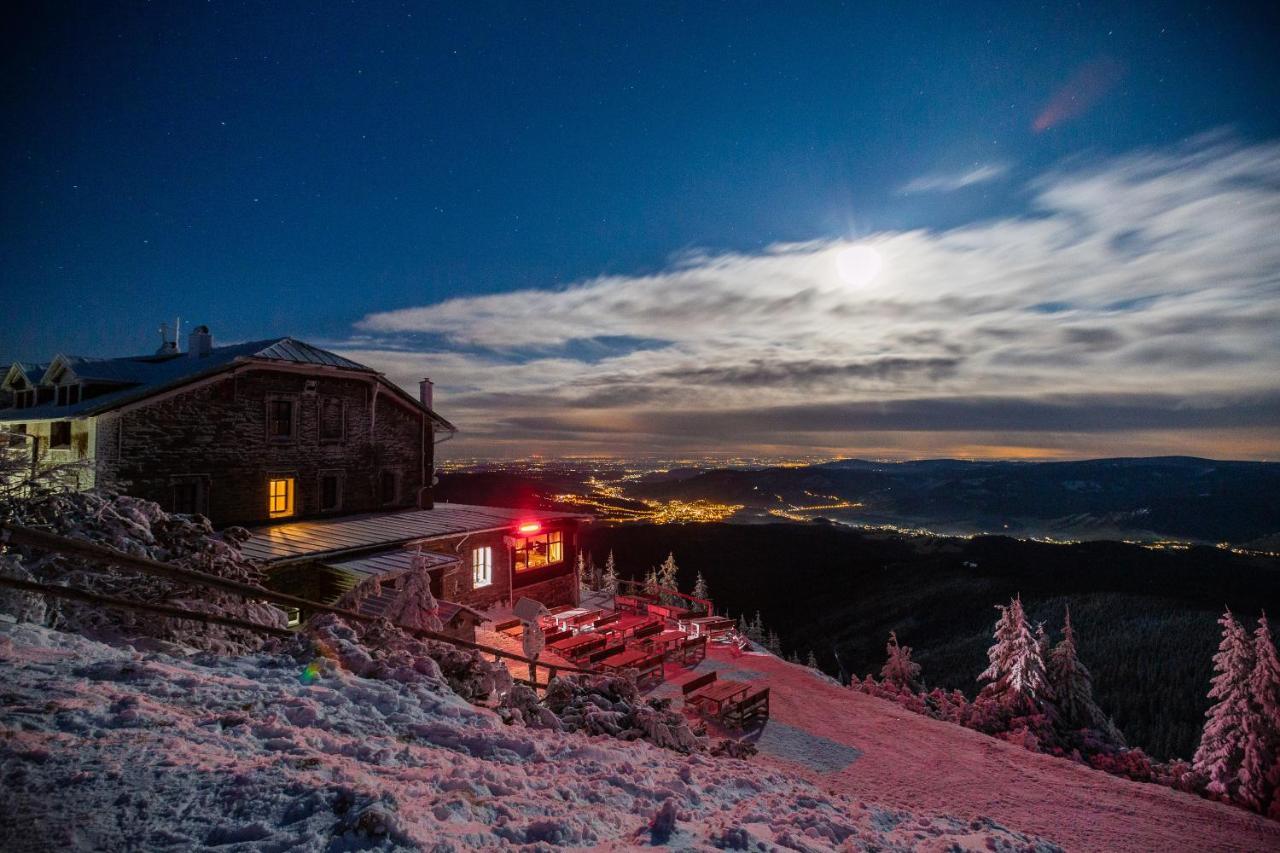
x=1175 y=497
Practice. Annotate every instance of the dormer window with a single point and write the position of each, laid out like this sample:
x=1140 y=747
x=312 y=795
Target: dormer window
x=24 y=399
x=68 y=395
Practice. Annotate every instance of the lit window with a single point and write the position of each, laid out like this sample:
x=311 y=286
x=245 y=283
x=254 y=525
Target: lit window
x=481 y=566
x=280 y=497
x=534 y=552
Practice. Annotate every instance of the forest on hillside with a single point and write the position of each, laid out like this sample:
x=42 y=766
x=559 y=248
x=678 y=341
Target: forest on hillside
x=1145 y=619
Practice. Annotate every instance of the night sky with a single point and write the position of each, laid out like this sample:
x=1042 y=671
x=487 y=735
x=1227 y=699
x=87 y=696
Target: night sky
x=962 y=229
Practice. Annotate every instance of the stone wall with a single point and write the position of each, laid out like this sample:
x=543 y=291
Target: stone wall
x=215 y=435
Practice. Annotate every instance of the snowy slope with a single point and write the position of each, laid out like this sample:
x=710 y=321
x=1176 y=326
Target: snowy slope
x=855 y=744
x=110 y=748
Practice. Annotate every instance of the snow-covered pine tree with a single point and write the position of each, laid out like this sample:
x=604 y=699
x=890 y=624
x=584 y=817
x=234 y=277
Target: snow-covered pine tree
x=700 y=587
x=812 y=662
x=609 y=580
x=899 y=669
x=651 y=582
x=1073 y=688
x=1221 y=750
x=756 y=630
x=584 y=582
x=1260 y=766
x=773 y=643
x=1016 y=672
x=744 y=627
x=668 y=577
x=593 y=572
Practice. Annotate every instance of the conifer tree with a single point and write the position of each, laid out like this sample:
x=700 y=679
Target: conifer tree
x=899 y=669
x=700 y=588
x=744 y=627
x=668 y=577
x=584 y=582
x=812 y=662
x=593 y=572
x=1016 y=671
x=1260 y=766
x=609 y=580
x=773 y=643
x=651 y=582
x=756 y=630
x=1073 y=687
x=1221 y=750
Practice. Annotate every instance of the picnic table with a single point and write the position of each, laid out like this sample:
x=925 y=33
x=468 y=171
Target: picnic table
x=669 y=611
x=584 y=618
x=622 y=660
x=717 y=694
x=628 y=604
x=709 y=625
x=667 y=640
x=568 y=644
x=566 y=617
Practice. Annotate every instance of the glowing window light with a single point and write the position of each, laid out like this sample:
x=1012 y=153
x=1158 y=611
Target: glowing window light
x=280 y=497
x=530 y=527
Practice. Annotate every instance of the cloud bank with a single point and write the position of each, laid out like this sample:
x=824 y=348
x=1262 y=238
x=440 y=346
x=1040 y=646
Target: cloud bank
x=945 y=182
x=1135 y=309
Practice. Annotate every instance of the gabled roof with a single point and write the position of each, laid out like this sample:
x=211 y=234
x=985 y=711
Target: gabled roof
x=143 y=376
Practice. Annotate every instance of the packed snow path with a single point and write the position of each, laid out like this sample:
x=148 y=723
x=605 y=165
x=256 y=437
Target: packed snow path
x=905 y=760
x=103 y=747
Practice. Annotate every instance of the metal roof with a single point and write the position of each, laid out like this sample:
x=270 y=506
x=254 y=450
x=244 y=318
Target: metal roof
x=392 y=562
x=336 y=536
x=145 y=375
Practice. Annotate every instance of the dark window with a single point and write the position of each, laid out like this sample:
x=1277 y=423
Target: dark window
x=60 y=434
x=20 y=429
x=388 y=488
x=330 y=492
x=186 y=497
x=280 y=419
x=331 y=420
x=63 y=391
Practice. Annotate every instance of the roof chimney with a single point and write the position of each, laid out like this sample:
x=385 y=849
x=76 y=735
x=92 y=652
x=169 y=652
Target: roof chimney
x=424 y=392
x=199 y=342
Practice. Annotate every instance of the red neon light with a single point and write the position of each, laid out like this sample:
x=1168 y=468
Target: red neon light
x=530 y=527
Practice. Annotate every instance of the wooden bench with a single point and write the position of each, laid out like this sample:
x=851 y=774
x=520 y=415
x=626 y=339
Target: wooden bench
x=628 y=604
x=561 y=609
x=512 y=627
x=651 y=668
x=692 y=650
x=646 y=630
x=750 y=710
x=605 y=621
x=585 y=649
x=693 y=685
x=556 y=635
x=609 y=650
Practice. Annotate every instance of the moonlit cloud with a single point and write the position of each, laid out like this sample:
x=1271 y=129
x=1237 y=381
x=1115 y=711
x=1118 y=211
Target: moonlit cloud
x=1140 y=298
x=945 y=182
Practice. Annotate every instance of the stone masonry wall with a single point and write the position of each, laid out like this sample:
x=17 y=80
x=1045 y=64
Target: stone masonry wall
x=216 y=434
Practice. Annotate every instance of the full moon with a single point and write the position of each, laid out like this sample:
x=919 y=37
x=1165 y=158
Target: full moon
x=858 y=265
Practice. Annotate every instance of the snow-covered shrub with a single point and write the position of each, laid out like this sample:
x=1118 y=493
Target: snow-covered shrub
x=381 y=650
x=139 y=528
x=603 y=705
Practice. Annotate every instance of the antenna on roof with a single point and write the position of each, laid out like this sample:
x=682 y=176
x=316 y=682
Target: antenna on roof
x=169 y=347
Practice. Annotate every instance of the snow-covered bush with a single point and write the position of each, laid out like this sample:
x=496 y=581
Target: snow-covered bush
x=381 y=650
x=139 y=528
x=603 y=705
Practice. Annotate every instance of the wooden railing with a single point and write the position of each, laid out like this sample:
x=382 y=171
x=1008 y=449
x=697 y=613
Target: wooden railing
x=43 y=540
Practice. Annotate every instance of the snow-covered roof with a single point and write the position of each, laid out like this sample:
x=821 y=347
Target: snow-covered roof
x=352 y=535
x=143 y=376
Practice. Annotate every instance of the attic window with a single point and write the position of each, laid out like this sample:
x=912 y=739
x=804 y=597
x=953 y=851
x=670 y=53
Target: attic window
x=24 y=399
x=68 y=395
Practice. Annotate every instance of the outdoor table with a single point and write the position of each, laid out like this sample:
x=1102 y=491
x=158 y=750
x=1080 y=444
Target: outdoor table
x=583 y=618
x=622 y=660
x=667 y=640
x=628 y=603
x=566 y=617
x=568 y=644
x=668 y=611
x=720 y=693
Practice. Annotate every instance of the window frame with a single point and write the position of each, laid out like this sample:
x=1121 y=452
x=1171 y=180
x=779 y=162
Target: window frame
x=201 y=484
x=339 y=477
x=54 y=425
x=396 y=486
x=481 y=566
x=341 y=437
x=272 y=420
x=554 y=543
x=288 y=498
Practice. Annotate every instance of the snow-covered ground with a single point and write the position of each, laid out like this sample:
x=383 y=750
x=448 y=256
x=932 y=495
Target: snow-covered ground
x=854 y=744
x=107 y=747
